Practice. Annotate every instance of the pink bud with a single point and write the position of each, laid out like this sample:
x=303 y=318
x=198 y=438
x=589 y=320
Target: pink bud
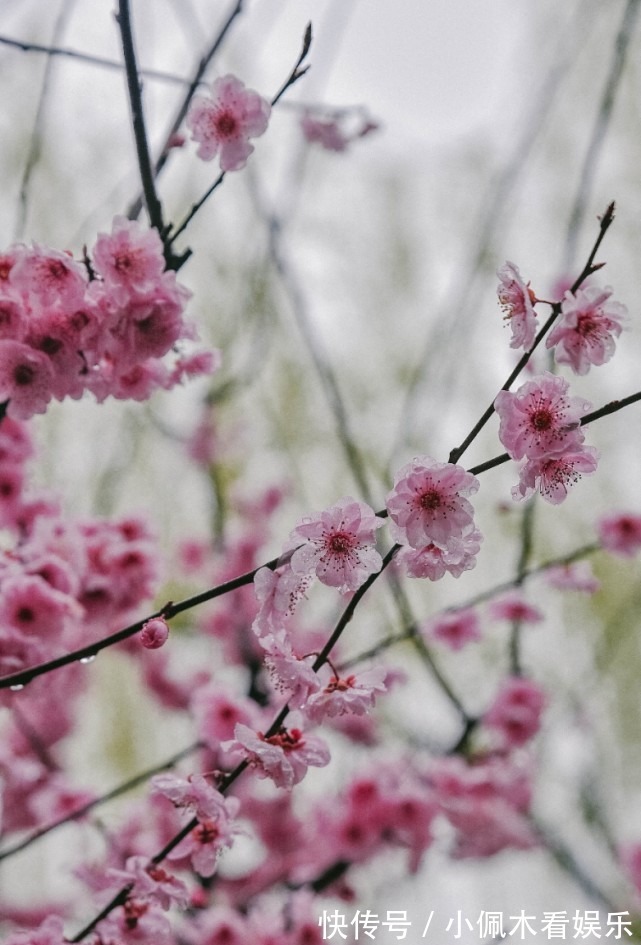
x=154 y=633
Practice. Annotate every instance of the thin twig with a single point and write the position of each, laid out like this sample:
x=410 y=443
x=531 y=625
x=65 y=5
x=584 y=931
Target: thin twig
x=91 y=60
x=152 y=202
x=589 y=268
x=197 y=78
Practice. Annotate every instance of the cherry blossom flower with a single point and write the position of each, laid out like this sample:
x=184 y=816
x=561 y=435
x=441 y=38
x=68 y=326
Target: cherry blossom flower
x=283 y=757
x=552 y=477
x=49 y=932
x=26 y=379
x=226 y=120
x=290 y=674
x=455 y=629
x=576 y=576
x=517 y=301
x=516 y=711
x=586 y=331
x=620 y=533
x=515 y=608
x=278 y=593
x=206 y=841
x=151 y=883
x=154 y=633
x=194 y=794
x=339 y=545
x=540 y=420
x=433 y=563
x=344 y=695
x=130 y=257
x=331 y=132
x=427 y=504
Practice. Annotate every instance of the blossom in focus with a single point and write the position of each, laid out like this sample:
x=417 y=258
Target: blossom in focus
x=284 y=757
x=540 y=420
x=433 y=563
x=339 y=545
x=351 y=694
x=553 y=476
x=428 y=503
x=225 y=120
x=586 y=331
x=154 y=633
x=620 y=533
x=516 y=299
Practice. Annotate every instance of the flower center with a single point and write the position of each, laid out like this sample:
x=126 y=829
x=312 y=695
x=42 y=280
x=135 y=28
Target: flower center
x=226 y=124
x=430 y=500
x=23 y=375
x=542 y=419
x=340 y=543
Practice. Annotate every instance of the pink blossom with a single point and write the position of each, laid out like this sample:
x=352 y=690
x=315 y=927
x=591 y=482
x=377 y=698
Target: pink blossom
x=26 y=379
x=217 y=713
x=540 y=420
x=154 y=633
x=576 y=576
x=283 y=757
x=49 y=932
x=517 y=300
x=290 y=674
x=325 y=132
x=278 y=593
x=486 y=802
x=194 y=794
x=620 y=533
x=515 y=608
x=225 y=120
x=516 y=711
x=585 y=332
x=353 y=694
x=130 y=257
x=552 y=477
x=49 y=277
x=339 y=545
x=151 y=883
x=206 y=841
x=631 y=860
x=455 y=629
x=433 y=563
x=428 y=505
x=137 y=921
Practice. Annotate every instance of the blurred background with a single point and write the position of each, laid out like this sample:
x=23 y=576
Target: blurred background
x=353 y=296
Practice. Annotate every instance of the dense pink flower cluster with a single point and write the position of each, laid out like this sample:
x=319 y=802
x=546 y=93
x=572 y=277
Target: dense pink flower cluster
x=224 y=121
x=517 y=301
x=103 y=327
x=486 y=802
x=433 y=519
x=541 y=423
x=585 y=333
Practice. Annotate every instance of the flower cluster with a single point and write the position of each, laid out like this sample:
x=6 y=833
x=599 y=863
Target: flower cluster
x=103 y=327
x=541 y=424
